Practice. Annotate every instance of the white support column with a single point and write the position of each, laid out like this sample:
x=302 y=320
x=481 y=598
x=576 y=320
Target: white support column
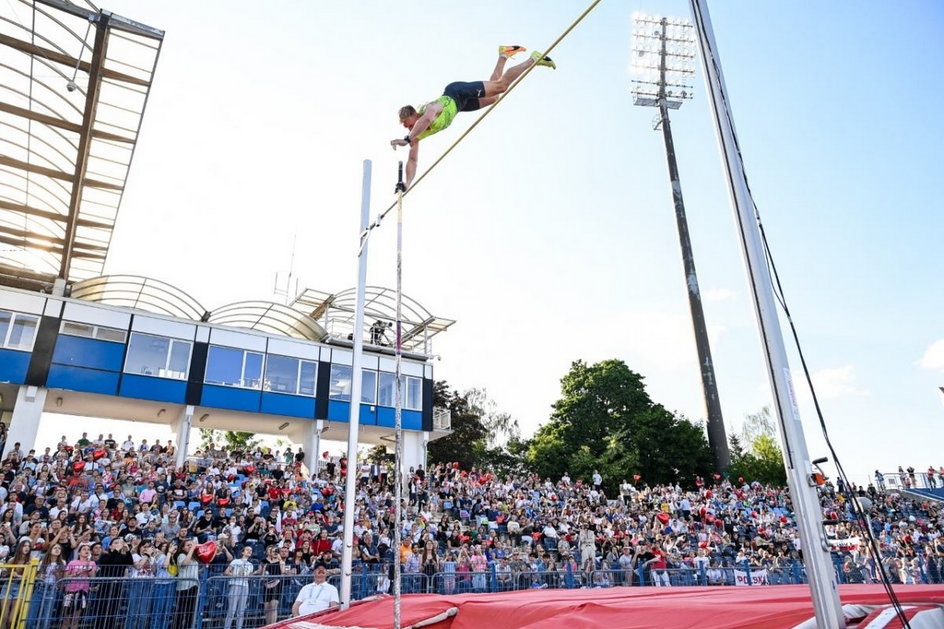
x=182 y=426
x=308 y=436
x=414 y=451
x=28 y=412
x=425 y=450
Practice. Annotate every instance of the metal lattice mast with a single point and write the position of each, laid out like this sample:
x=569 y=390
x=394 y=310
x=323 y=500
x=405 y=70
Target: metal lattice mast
x=664 y=60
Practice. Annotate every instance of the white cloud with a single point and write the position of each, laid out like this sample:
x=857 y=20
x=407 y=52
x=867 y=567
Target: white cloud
x=933 y=356
x=837 y=382
x=718 y=294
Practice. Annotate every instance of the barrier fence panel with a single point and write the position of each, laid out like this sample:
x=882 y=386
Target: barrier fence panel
x=16 y=590
x=216 y=601
x=248 y=602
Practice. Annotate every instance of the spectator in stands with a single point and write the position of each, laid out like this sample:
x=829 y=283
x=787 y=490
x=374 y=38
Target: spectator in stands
x=188 y=585
x=98 y=495
x=240 y=569
x=316 y=596
x=274 y=568
x=75 y=601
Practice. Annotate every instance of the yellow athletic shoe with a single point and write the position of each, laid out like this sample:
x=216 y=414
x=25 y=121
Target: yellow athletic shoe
x=541 y=60
x=510 y=51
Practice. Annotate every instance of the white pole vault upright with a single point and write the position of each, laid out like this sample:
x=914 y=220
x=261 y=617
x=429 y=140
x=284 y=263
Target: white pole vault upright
x=816 y=557
x=354 y=418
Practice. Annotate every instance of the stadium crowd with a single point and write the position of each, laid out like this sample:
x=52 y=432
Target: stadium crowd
x=91 y=510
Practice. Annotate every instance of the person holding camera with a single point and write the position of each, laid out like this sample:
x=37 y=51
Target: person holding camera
x=141 y=590
x=188 y=585
x=274 y=568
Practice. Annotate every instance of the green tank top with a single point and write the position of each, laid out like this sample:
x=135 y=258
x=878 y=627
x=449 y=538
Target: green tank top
x=444 y=119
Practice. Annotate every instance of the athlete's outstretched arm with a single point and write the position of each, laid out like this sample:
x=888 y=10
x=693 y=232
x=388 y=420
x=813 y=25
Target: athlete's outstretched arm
x=411 y=163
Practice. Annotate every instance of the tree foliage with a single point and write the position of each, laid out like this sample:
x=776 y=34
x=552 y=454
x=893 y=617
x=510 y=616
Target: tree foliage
x=232 y=440
x=762 y=460
x=468 y=432
x=606 y=421
x=481 y=435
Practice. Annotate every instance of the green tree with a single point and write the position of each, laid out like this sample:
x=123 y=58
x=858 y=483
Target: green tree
x=482 y=436
x=606 y=421
x=230 y=439
x=762 y=460
x=468 y=431
x=380 y=454
x=500 y=427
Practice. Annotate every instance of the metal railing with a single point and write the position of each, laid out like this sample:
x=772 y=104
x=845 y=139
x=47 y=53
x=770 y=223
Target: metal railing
x=442 y=418
x=16 y=592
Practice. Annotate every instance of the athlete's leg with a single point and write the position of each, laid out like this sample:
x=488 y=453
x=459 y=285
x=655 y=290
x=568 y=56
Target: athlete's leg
x=499 y=69
x=494 y=87
x=488 y=100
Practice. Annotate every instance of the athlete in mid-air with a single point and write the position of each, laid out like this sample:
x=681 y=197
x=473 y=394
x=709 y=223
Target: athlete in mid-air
x=435 y=116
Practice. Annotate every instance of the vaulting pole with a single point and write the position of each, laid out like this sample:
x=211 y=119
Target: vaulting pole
x=398 y=409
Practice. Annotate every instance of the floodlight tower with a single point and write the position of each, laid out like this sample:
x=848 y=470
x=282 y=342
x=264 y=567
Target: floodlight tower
x=664 y=61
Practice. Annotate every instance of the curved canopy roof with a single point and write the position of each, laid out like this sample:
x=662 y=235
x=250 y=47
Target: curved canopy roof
x=314 y=315
x=336 y=314
x=140 y=293
x=268 y=317
x=74 y=82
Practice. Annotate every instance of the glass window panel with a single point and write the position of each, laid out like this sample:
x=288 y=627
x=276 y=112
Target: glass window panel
x=340 y=387
x=224 y=366
x=179 y=364
x=281 y=374
x=22 y=332
x=86 y=330
x=414 y=394
x=5 y=319
x=309 y=376
x=252 y=375
x=388 y=385
x=147 y=354
x=111 y=334
x=368 y=386
x=78 y=329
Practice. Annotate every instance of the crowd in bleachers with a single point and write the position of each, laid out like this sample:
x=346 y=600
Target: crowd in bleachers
x=94 y=509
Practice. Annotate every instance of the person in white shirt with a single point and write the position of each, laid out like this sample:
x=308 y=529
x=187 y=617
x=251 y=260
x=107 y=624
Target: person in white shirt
x=317 y=596
x=239 y=569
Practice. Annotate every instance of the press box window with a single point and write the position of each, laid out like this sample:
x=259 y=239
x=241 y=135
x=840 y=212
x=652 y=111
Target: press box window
x=413 y=398
x=89 y=331
x=234 y=367
x=340 y=385
x=290 y=375
x=368 y=387
x=150 y=355
x=17 y=331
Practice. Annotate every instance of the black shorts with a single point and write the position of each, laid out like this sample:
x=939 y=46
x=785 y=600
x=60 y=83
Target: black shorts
x=271 y=593
x=75 y=600
x=466 y=95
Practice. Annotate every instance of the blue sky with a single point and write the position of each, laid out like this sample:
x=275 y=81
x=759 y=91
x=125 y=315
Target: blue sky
x=549 y=233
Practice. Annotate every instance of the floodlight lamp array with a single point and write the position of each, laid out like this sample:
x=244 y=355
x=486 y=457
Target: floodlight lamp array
x=655 y=19
x=683 y=69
